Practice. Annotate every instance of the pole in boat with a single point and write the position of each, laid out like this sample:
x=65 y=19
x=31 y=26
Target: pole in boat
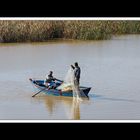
x=58 y=80
x=39 y=92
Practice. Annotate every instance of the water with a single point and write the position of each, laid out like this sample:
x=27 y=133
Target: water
x=110 y=67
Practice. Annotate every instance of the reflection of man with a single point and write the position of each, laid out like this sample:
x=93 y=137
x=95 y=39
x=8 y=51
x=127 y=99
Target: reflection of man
x=75 y=112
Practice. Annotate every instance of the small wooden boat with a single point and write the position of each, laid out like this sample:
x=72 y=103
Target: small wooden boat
x=39 y=84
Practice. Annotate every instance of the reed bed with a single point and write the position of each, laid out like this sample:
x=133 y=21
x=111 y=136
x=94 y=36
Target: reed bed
x=38 y=31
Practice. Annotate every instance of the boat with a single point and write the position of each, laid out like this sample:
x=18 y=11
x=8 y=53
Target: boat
x=39 y=84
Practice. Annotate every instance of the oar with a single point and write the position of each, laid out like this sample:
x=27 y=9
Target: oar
x=58 y=80
x=39 y=92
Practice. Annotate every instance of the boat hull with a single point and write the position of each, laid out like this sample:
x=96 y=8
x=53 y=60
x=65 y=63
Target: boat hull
x=39 y=84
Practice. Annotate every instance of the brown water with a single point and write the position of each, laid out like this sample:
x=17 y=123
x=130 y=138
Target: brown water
x=111 y=68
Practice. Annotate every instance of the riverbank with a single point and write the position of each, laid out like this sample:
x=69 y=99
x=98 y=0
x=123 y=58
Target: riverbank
x=40 y=31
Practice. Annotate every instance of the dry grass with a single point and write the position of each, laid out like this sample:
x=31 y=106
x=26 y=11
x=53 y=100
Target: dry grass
x=33 y=31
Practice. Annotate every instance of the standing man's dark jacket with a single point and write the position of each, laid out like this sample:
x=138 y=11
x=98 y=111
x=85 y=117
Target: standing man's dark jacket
x=77 y=72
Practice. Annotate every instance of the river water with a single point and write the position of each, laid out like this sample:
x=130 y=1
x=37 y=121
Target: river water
x=110 y=67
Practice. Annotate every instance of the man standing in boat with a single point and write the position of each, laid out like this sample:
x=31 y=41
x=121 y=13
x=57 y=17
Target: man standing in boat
x=77 y=72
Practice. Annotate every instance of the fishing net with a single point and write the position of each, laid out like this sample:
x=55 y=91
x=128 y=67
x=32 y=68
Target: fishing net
x=68 y=81
x=70 y=84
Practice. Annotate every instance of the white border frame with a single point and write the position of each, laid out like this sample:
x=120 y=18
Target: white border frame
x=70 y=18
x=69 y=121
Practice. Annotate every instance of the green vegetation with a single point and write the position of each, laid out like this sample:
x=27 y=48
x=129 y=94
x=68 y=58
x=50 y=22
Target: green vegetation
x=33 y=31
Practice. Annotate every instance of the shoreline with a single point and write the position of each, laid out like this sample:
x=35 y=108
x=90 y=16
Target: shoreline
x=62 y=40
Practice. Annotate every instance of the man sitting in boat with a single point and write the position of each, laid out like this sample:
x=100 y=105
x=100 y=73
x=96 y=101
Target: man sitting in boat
x=50 y=81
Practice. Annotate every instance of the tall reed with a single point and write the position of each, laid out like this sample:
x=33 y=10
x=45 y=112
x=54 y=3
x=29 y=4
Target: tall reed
x=32 y=31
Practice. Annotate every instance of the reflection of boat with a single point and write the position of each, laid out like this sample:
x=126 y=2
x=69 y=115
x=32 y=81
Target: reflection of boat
x=39 y=84
x=61 y=107
x=70 y=106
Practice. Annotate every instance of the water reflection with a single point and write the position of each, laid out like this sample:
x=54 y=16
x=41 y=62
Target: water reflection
x=70 y=106
x=75 y=110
